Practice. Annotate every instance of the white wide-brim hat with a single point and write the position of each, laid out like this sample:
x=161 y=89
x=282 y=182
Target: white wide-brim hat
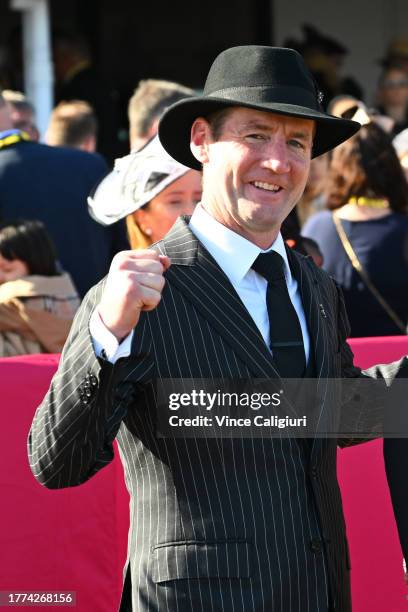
x=135 y=180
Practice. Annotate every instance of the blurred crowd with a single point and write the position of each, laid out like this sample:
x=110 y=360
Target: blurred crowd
x=65 y=213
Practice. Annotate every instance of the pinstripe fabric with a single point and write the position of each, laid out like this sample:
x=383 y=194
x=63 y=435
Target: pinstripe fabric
x=216 y=525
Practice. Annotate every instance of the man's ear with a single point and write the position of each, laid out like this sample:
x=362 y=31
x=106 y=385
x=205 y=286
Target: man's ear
x=200 y=138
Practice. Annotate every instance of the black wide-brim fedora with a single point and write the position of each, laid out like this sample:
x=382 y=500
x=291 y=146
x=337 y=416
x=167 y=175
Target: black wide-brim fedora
x=271 y=79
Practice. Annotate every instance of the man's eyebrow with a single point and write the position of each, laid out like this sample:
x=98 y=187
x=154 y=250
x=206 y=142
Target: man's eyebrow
x=255 y=125
x=303 y=135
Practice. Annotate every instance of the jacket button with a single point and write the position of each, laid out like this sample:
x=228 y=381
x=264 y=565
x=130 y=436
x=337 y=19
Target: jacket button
x=316 y=546
x=314 y=471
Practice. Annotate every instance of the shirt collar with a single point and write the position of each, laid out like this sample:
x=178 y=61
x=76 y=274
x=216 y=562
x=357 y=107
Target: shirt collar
x=232 y=252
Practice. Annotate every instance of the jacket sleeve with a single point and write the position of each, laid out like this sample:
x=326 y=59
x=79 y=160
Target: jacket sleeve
x=71 y=437
x=366 y=393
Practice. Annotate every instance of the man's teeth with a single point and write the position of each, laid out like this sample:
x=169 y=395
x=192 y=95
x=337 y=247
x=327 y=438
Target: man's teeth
x=266 y=186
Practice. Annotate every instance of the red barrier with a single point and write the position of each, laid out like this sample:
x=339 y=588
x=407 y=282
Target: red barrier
x=67 y=540
x=75 y=539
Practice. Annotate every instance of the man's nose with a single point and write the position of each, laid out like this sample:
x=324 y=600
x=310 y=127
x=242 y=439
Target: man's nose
x=277 y=157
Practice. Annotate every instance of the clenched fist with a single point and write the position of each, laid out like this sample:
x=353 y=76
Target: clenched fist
x=135 y=283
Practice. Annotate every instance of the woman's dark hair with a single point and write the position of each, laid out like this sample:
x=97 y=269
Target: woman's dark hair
x=29 y=241
x=367 y=165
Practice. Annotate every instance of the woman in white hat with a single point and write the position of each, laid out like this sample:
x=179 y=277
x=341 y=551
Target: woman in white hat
x=150 y=189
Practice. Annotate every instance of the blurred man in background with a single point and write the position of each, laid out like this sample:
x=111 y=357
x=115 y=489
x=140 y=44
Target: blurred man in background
x=392 y=96
x=73 y=124
x=22 y=113
x=77 y=79
x=149 y=101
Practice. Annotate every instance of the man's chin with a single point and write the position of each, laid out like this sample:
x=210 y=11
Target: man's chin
x=261 y=219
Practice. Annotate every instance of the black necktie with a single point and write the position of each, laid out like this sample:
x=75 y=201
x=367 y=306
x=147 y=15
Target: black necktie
x=285 y=331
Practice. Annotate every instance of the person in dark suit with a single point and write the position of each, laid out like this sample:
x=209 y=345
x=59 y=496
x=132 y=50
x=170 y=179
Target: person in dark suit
x=51 y=184
x=77 y=78
x=223 y=523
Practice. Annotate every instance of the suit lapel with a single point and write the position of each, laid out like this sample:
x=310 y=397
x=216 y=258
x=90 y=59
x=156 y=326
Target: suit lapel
x=317 y=310
x=197 y=275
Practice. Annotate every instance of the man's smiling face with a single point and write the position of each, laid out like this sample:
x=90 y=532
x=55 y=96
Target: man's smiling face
x=255 y=171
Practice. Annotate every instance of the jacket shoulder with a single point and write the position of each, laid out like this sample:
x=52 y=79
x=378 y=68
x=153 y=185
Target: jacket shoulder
x=307 y=263
x=60 y=157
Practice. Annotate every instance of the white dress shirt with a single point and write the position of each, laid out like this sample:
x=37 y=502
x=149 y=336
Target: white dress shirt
x=235 y=255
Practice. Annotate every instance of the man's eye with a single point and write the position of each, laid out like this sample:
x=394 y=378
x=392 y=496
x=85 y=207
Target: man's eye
x=297 y=144
x=256 y=136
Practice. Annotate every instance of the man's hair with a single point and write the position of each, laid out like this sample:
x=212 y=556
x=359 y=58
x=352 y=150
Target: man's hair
x=30 y=242
x=367 y=164
x=149 y=101
x=71 y=123
x=217 y=120
x=18 y=100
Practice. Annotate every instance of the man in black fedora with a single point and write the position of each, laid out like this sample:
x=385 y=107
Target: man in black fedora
x=216 y=524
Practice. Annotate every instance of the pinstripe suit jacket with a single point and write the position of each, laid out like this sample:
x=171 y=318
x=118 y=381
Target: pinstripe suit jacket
x=215 y=524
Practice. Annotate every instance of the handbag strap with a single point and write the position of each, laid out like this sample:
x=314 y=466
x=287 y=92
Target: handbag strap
x=355 y=262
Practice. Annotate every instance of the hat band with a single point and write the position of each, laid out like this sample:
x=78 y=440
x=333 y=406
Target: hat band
x=265 y=94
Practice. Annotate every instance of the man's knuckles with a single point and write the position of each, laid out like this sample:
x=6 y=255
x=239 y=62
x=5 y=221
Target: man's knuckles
x=132 y=281
x=150 y=279
x=140 y=288
x=139 y=265
x=126 y=259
